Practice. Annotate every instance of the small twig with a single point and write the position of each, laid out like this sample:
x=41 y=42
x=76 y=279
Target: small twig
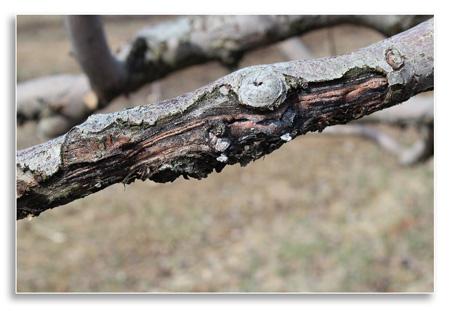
x=420 y=151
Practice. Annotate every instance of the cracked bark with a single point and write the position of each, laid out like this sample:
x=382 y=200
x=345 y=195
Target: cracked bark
x=417 y=112
x=202 y=131
x=161 y=50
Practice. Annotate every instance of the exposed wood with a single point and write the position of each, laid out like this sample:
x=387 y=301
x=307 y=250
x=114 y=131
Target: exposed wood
x=158 y=51
x=198 y=132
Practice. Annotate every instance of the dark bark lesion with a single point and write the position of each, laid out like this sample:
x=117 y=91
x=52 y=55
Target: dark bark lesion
x=155 y=53
x=184 y=145
x=199 y=132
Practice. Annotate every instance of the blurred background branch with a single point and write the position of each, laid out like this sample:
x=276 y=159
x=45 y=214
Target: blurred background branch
x=57 y=103
x=164 y=141
x=286 y=223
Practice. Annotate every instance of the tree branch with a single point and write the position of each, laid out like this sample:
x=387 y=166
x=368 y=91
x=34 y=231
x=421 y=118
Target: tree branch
x=420 y=151
x=106 y=74
x=417 y=111
x=161 y=50
x=236 y=119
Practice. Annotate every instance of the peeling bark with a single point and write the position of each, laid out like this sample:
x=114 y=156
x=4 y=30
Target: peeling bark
x=417 y=112
x=198 y=132
x=161 y=50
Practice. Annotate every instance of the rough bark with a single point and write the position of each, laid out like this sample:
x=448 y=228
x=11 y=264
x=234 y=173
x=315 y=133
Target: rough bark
x=161 y=50
x=236 y=119
x=417 y=111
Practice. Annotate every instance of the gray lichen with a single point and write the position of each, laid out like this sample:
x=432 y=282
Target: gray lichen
x=44 y=159
x=210 y=127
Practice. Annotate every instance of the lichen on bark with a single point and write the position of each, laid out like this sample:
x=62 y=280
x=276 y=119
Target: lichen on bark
x=202 y=131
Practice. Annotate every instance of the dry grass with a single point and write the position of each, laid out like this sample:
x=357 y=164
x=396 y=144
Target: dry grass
x=320 y=214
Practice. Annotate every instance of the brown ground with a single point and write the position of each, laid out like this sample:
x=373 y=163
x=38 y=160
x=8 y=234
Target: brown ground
x=320 y=214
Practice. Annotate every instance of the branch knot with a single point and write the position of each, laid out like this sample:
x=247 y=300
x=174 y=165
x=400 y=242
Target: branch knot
x=262 y=89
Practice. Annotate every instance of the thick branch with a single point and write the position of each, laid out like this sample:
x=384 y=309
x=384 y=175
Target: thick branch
x=176 y=44
x=66 y=98
x=236 y=119
x=106 y=74
x=418 y=110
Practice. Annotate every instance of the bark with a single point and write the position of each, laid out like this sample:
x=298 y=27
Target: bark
x=236 y=119
x=176 y=44
x=417 y=111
